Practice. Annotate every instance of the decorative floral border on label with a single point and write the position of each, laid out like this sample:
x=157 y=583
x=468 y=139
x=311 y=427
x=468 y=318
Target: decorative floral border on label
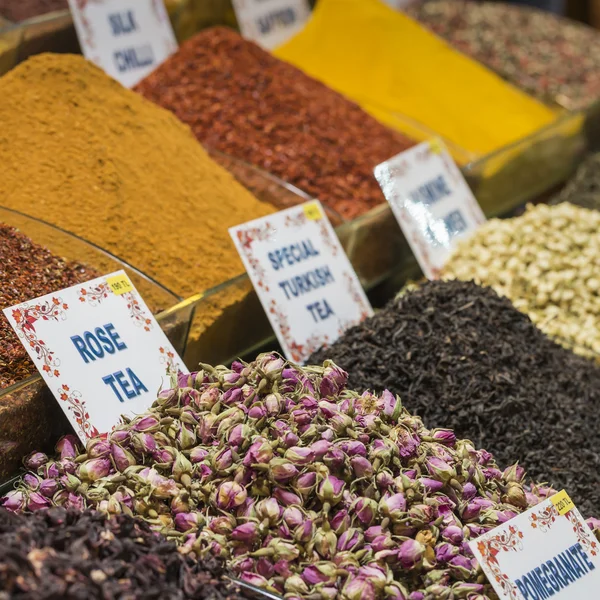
x=79 y=411
x=583 y=537
x=490 y=548
x=247 y=237
x=544 y=519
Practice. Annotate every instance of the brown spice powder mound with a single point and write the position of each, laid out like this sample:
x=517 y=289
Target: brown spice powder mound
x=243 y=101
x=80 y=151
x=27 y=271
x=20 y=10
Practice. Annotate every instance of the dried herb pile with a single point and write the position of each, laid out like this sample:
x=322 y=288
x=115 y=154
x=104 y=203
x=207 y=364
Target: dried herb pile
x=27 y=270
x=583 y=189
x=241 y=100
x=305 y=486
x=70 y=554
x=547 y=262
x=462 y=357
x=551 y=57
x=20 y=10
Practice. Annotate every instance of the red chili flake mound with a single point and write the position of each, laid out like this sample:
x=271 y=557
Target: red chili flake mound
x=241 y=100
x=27 y=271
x=20 y=10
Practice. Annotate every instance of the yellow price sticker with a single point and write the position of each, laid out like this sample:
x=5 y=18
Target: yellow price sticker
x=119 y=284
x=436 y=146
x=313 y=211
x=562 y=502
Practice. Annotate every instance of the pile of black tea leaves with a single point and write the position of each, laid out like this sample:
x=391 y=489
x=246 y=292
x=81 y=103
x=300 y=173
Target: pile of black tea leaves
x=69 y=554
x=462 y=357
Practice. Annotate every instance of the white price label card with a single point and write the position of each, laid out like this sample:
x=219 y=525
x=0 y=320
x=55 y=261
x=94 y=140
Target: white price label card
x=98 y=348
x=546 y=552
x=302 y=276
x=128 y=39
x=270 y=23
x=431 y=201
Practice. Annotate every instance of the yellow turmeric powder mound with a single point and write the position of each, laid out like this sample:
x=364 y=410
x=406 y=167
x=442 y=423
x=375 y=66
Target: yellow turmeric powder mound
x=82 y=152
x=400 y=72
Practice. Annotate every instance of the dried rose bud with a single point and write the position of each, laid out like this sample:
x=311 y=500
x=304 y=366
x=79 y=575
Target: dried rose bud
x=67 y=446
x=222 y=460
x=35 y=460
x=431 y=485
x=48 y=487
x=330 y=490
x=283 y=549
x=382 y=543
x=340 y=521
x=181 y=466
x=295 y=585
x=410 y=554
x=361 y=466
x=246 y=533
x=461 y=567
x=325 y=543
x=445 y=551
x=94 y=469
x=282 y=471
x=121 y=458
x=334 y=380
x=351 y=540
x=286 y=497
x=254 y=579
x=36 y=501
x=222 y=525
x=306 y=483
x=186 y=438
x=515 y=495
x=358 y=588
x=365 y=510
x=198 y=454
x=144 y=443
x=392 y=406
x=304 y=532
x=230 y=495
x=272 y=404
x=259 y=452
x=145 y=424
x=320 y=448
x=473 y=508
x=292 y=515
x=453 y=534
x=320 y=573
x=31 y=481
x=393 y=506
x=440 y=469
x=14 y=500
x=300 y=456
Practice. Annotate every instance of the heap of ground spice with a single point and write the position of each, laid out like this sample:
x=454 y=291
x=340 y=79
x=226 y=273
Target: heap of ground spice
x=20 y=10
x=241 y=100
x=551 y=57
x=27 y=271
x=82 y=152
x=462 y=357
x=69 y=554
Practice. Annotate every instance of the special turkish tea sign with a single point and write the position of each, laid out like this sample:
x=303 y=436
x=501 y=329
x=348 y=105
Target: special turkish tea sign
x=302 y=276
x=545 y=552
x=431 y=201
x=128 y=39
x=99 y=350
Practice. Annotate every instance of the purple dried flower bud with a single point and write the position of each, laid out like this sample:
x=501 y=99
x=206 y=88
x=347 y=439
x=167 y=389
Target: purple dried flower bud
x=395 y=591
x=233 y=396
x=144 y=443
x=145 y=424
x=361 y=466
x=283 y=549
x=293 y=516
x=94 y=469
x=444 y=436
x=340 y=521
x=268 y=509
x=320 y=448
x=330 y=490
x=198 y=454
x=373 y=532
x=67 y=446
x=36 y=501
x=121 y=458
x=475 y=507
x=255 y=579
x=484 y=457
x=393 y=506
x=35 y=460
x=222 y=460
x=269 y=363
x=259 y=452
x=593 y=523
x=222 y=525
x=31 y=481
x=286 y=497
x=257 y=411
x=469 y=491
x=165 y=456
x=365 y=510
x=246 y=533
x=431 y=485
x=410 y=554
x=230 y=495
x=272 y=404
x=14 y=500
x=445 y=551
x=392 y=406
x=462 y=589
x=179 y=505
x=208 y=398
x=461 y=566
x=514 y=473
x=161 y=486
x=334 y=380
x=382 y=543
x=453 y=534
x=48 y=487
x=351 y=540
x=384 y=480
x=237 y=435
x=295 y=585
x=282 y=470
x=304 y=532
x=440 y=469
x=320 y=572
x=325 y=543
x=186 y=521
x=300 y=456
x=306 y=483
x=358 y=588
x=416 y=596
x=74 y=501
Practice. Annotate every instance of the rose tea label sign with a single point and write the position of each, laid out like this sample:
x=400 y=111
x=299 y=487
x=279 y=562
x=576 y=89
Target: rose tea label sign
x=128 y=39
x=271 y=22
x=431 y=201
x=302 y=276
x=98 y=348
x=546 y=552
